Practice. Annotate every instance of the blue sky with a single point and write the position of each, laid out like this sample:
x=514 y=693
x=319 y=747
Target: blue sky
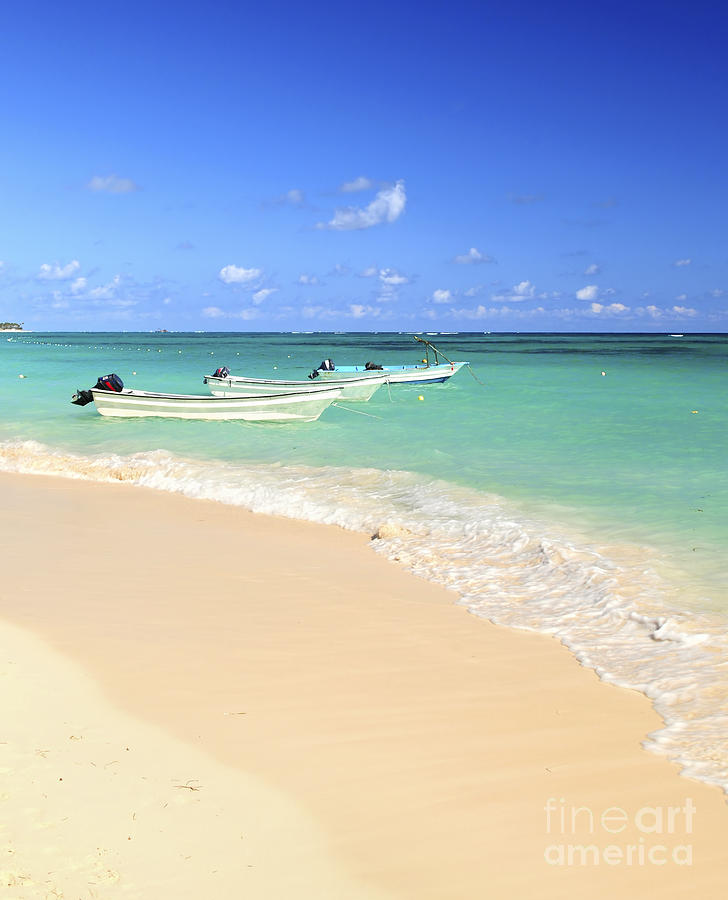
x=389 y=166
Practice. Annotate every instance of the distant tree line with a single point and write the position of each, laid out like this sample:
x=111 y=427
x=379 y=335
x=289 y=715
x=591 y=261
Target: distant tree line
x=7 y=326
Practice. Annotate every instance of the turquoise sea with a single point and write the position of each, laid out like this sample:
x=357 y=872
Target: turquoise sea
x=572 y=484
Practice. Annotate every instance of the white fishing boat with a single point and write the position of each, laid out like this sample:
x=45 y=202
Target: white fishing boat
x=424 y=372
x=356 y=387
x=297 y=406
x=405 y=374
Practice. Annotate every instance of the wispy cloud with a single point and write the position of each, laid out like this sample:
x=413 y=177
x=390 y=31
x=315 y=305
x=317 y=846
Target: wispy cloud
x=112 y=184
x=308 y=279
x=214 y=312
x=359 y=310
x=593 y=269
x=56 y=272
x=294 y=197
x=473 y=257
x=238 y=275
x=524 y=290
x=263 y=294
x=442 y=296
x=358 y=184
x=386 y=207
x=679 y=263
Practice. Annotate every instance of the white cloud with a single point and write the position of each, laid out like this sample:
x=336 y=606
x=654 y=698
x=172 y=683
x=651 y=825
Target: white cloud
x=106 y=291
x=358 y=184
x=238 y=275
x=358 y=311
x=112 y=184
x=524 y=290
x=717 y=292
x=612 y=308
x=387 y=206
x=442 y=296
x=79 y=285
x=55 y=272
x=473 y=257
x=681 y=297
x=590 y=292
x=593 y=269
x=392 y=276
x=263 y=294
x=369 y=272
x=213 y=312
x=685 y=311
x=682 y=262
x=654 y=311
x=307 y=279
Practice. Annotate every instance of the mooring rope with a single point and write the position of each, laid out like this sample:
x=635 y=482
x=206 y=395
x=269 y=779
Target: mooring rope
x=359 y=411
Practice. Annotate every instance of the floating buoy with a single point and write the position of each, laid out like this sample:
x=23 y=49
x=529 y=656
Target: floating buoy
x=133 y=373
x=21 y=376
x=693 y=411
x=604 y=373
x=420 y=397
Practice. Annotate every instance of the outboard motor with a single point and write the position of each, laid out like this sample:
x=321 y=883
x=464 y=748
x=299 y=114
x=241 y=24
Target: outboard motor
x=373 y=367
x=222 y=372
x=327 y=365
x=104 y=383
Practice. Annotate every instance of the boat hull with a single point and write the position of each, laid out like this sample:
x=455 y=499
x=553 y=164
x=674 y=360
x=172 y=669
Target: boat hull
x=401 y=374
x=354 y=388
x=280 y=407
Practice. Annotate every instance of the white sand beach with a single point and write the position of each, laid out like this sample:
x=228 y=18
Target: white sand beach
x=199 y=701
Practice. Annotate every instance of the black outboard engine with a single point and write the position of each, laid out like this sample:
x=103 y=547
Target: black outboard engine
x=104 y=383
x=222 y=372
x=327 y=365
x=373 y=367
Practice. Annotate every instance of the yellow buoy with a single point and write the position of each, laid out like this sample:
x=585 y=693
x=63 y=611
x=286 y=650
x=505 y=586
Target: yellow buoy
x=693 y=411
x=420 y=397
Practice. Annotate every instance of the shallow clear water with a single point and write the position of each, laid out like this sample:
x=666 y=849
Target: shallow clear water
x=577 y=484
